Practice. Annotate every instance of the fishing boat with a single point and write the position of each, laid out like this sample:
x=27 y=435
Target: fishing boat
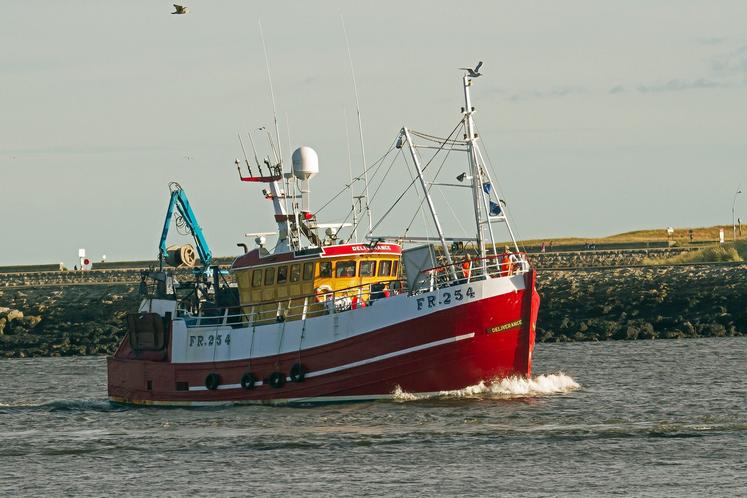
x=323 y=317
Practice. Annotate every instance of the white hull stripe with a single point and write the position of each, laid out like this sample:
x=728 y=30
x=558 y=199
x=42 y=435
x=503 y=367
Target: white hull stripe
x=359 y=363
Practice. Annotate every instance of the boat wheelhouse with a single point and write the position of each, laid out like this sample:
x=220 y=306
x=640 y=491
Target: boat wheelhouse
x=276 y=286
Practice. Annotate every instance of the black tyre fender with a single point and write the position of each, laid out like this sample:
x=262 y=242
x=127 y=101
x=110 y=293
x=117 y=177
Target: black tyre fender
x=212 y=381
x=276 y=379
x=297 y=373
x=248 y=380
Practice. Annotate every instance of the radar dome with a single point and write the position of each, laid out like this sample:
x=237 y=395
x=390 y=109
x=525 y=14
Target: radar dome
x=305 y=163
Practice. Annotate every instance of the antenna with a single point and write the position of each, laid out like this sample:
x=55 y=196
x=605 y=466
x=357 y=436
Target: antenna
x=272 y=145
x=246 y=159
x=254 y=151
x=288 y=130
x=360 y=124
x=350 y=173
x=272 y=92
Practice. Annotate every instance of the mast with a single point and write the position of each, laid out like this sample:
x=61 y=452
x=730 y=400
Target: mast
x=423 y=184
x=480 y=178
x=469 y=127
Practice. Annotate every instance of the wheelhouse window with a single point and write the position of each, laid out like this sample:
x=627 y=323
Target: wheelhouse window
x=325 y=269
x=345 y=269
x=257 y=278
x=385 y=268
x=282 y=274
x=295 y=273
x=368 y=269
x=269 y=276
x=308 y=271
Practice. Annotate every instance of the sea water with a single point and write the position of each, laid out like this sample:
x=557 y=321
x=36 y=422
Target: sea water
x=632 y=418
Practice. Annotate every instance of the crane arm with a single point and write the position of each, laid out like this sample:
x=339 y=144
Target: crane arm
x=180 y=202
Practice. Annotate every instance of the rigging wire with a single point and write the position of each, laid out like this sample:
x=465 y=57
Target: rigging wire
x=381 y=183
x=446 y=156
x=419 y=210
x=448 y=204
x=436 y=139
x=497 y=183
x=356 y=179
x=356 y=222
x=411 y=183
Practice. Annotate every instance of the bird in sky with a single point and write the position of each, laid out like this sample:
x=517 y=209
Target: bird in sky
x=474 y=73
x=180 y=9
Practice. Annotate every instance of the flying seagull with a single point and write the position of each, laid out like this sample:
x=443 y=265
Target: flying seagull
x=474 y=73
x=180 y=9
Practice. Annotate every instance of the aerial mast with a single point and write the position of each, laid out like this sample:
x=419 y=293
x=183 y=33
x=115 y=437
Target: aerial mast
x=360 y=125
x=272 y=95
x=482 y=184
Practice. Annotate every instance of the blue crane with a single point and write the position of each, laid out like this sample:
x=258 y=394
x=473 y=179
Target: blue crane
x=181 y=203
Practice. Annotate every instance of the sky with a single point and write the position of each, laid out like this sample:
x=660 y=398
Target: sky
x=598 y=117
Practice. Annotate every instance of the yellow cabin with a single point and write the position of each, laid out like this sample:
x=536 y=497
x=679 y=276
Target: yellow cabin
x=294 y=285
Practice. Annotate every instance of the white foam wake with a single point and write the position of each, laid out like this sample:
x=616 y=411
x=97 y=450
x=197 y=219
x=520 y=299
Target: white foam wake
x=510 y=387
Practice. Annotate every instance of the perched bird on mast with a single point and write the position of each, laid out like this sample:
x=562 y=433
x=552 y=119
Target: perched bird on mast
x=180 y=9
x=473 y=73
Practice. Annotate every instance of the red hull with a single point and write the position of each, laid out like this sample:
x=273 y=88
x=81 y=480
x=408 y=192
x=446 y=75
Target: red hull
x=445 y=350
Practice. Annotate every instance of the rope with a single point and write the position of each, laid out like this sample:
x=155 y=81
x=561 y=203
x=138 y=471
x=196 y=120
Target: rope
x=499 y=188
x=357 y=178
x=412 y=182
x=434 y=179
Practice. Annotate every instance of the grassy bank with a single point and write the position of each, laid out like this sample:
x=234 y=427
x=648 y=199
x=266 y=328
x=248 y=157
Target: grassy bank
x=681 y=236
x=733 y=252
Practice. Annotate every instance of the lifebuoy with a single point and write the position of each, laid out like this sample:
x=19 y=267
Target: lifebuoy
x=248 y=380
x=321 y=293
x=212 y=381
x=297 y=373
x=277 y=379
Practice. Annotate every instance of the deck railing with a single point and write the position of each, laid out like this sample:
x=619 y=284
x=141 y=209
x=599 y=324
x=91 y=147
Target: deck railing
x=359 y=296
x=473 y=269
x=297 y=307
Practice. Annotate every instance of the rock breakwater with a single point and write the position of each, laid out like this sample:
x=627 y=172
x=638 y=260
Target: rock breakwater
x=83 y=313
x=64 y=320
x=643 y=303
x=586 y=258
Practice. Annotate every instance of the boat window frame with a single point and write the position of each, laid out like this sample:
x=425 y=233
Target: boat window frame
x=295 y=276
x=385 y=263
x=270 y=272
x=308 y=271
x=366 y=262
x=346 y=264
x=326 y=264
x=285 y=279
x=257 y=282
